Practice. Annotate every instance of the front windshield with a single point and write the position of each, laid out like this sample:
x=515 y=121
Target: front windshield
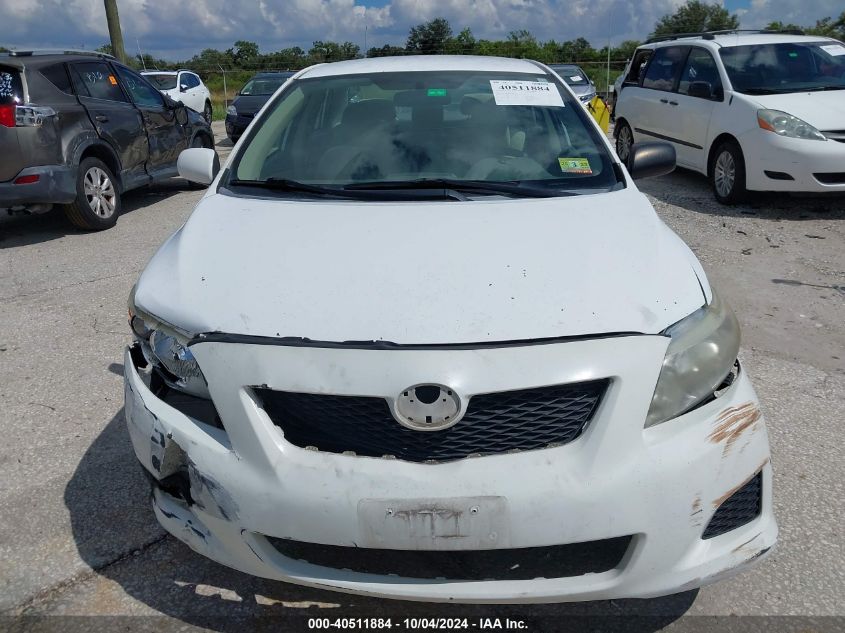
x=162 y=82
x=263 y=86
x=388 y=128
x=782 y=68
x=572 y=75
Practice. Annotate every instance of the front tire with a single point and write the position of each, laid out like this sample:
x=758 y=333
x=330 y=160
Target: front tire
x=207 y=112
x=727 y=173
x=624 y=141
x=97 y=203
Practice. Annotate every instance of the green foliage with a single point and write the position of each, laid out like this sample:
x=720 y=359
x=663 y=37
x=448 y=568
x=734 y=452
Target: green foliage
x=828 y=27
x=694 y=17
x=429 y=38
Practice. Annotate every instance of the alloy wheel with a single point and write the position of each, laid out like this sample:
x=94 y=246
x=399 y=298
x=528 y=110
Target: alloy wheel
x=99 y=192
x=623 y=143
x=724 y=174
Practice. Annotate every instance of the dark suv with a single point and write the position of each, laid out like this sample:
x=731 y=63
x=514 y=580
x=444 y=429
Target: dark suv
x=250 y=99
x=80 y=129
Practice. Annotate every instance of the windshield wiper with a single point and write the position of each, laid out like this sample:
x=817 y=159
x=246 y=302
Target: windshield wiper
x=283 y=184
x=760 y=91
x=469 y=186
x=364 y=193
x=822 y=88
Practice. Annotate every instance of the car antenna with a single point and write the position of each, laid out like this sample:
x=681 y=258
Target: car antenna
x=143 y=63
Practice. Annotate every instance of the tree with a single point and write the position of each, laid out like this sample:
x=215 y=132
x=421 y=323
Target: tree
x=694 y=17
x=385 y=51
x=462 y=44
x=105 y=48
x=244 y=53
x=429 y=38
x=780 y=26
x=828 y=27
x=333 y=52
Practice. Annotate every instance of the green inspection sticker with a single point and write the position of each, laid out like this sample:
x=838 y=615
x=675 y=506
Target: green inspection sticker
x=436 y=92
x=575 y=166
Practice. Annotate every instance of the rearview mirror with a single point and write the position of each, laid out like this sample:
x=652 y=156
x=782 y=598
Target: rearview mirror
x=701 y=89
x=649 y=159
x=199 y=165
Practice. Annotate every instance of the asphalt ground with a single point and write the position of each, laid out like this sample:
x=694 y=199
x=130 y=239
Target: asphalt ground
x=78 y=537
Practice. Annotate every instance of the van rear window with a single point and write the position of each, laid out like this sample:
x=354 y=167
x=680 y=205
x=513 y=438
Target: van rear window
x=11 y=88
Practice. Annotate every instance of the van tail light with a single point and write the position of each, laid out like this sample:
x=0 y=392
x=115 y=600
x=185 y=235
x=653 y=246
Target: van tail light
x=28 y=179
x=7 y=115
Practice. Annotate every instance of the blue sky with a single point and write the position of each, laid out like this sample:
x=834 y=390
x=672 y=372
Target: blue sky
x=176 y=29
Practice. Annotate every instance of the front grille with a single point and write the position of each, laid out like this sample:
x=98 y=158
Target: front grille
x=520 y=420
x=831 y=178
x=527 y=563
x=740 y=508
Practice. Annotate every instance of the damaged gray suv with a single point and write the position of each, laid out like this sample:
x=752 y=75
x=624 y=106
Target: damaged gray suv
x=80 y=129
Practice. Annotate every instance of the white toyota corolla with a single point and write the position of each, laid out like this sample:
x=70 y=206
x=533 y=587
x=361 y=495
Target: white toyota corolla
x=423 y=338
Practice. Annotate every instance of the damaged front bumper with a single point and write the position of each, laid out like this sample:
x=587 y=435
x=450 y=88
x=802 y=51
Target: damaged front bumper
x=246 y=497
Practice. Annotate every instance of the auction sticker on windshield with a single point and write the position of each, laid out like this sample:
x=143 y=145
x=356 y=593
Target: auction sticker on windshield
x=527 y=93
x=835 y=50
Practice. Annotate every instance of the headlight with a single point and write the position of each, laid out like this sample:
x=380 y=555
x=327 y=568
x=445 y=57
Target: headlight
x=231 y=110
x=167 y=350
x=587 y=97
x=701 y=354
x=787 y=125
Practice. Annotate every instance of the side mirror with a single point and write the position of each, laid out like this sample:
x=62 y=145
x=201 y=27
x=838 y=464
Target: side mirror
x=183 y=87
x=199 y=165
x=649 y=159
x=701 y=89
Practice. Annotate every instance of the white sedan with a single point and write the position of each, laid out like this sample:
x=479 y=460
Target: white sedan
x=423 y=338
x=184 y=86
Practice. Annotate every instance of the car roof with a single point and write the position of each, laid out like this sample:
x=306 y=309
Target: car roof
x=21 y=59
x=421 y=63
x=720 y=40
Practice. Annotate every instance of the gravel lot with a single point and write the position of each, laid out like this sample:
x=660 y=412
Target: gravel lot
x=77 y=535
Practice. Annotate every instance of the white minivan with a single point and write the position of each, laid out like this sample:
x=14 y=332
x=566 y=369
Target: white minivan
x=753 y=111
x=423 y=338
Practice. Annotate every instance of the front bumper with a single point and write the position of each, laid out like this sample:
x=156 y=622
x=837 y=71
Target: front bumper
x=659 y=485
x=56 y=185
x=237 y=125
x=800 y=159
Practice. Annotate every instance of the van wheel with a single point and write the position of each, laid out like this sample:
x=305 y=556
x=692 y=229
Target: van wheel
x=727 y=173
x=624 y=141
x=207 y=112
x=97 y=203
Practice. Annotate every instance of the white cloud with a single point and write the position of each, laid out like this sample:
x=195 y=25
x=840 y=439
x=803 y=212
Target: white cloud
x=177 y=29
x=762 y=12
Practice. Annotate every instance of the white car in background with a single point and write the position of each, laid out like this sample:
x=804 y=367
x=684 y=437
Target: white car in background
x=184 y=86
x=761 y=111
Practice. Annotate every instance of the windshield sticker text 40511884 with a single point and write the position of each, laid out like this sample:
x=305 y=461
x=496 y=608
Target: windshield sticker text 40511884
x=530 y=93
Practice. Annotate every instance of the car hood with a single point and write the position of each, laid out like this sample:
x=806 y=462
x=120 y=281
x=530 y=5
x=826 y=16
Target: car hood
x=823 y=110
x=423 y=272
x=250 y=105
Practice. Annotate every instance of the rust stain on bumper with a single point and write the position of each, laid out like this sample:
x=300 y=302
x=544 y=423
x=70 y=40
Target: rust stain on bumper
x=732 y=422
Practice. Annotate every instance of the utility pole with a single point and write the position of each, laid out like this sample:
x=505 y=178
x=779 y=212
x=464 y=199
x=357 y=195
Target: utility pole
x=116 y=36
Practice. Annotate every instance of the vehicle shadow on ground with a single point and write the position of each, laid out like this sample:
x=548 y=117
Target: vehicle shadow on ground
x=117 y=535
x=690 y=190
x=26 y=230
